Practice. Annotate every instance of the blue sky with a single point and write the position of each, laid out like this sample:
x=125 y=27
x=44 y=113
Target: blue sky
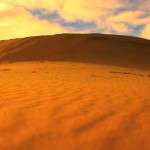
x=77 y=25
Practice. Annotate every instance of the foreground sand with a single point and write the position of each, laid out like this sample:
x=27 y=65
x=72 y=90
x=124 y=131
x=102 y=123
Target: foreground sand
x=73 y=106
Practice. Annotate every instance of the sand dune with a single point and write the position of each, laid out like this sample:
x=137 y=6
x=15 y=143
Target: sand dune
x=75 y=92
x=90 y=48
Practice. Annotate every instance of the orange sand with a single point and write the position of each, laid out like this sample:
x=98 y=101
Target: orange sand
x=75 y=92
x=73 y=106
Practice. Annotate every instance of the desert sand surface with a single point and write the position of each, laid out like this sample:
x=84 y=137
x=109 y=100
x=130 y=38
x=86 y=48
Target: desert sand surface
x=75 y=92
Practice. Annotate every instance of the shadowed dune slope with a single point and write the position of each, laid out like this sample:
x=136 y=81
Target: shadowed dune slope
x=89 y=48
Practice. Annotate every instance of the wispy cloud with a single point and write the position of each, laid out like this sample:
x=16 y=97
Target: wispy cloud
x=21 y=18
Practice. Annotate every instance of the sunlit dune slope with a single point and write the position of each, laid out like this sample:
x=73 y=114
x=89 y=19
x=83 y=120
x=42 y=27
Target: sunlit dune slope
x=90 y=48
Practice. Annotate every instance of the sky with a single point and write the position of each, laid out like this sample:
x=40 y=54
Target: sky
x=23 y=18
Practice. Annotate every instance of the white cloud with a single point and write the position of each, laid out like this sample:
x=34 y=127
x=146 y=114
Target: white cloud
x=146 y=32
x=16 y=21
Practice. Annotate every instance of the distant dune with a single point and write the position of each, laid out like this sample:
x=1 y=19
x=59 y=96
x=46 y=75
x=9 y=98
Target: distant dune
x=90 y=48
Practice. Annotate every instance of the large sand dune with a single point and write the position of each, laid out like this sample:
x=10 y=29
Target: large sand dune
x=75 y=92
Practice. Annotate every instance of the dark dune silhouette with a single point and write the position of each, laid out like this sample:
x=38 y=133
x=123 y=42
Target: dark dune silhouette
x=90 y=48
